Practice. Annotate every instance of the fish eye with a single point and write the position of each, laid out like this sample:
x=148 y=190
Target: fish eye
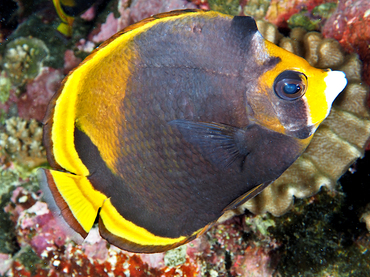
x=290 y=85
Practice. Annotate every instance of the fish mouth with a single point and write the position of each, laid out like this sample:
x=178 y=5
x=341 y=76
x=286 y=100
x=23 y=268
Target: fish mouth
x=335 y=81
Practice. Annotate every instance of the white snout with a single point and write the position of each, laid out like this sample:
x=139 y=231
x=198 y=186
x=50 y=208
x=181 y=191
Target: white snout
x=335 y=82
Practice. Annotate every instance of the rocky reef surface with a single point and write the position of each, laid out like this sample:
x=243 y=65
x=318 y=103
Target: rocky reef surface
x=313 y=221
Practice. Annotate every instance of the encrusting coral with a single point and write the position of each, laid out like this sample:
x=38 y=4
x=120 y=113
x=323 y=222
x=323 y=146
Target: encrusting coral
x=23 y=59
x=339 y=141
x=21 y=142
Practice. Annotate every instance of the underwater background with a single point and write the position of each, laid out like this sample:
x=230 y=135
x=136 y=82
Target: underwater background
x=313 y=221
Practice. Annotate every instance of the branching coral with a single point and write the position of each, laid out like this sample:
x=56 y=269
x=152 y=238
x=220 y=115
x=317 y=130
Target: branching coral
x=23 y=59
x=20 y=141
x=338 y=142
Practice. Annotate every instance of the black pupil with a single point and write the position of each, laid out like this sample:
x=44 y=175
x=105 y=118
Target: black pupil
x=291 y=88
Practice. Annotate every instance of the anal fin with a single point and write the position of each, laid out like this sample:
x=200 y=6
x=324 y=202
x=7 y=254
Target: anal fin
x=71 y=197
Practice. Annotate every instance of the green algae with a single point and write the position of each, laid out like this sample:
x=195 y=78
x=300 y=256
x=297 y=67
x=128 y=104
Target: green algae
x=10 y=179
x=29 y=259
x=8 y=243
x=302 y=20
x=317 y=238
x=5 y=85
x=176 y=256
x=324 y=10
x=313 y=20
x=257 y=8
x=230 y=7
x=260 y=223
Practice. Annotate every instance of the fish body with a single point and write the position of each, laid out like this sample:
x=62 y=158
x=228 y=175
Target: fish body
x=175 y=120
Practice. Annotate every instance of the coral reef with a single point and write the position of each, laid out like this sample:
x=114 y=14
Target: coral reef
x=269 y=31
x=140 y=9
x=136 y=11
x=70 y=61
x=37 y=93
x=256 y=8
x=314 y=19
x=5 y=85
x=321 y=235
x=319 y=232
x=350 y=25
x=23 y=59
x=280 y=11
x=225 y=6
x=47 y=251
x=13 y=181
x=33 y=103
x=21 y=142
x=365 y=217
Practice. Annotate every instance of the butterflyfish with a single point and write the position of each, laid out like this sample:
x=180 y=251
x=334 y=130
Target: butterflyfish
x=175 y=120
x=67 y=10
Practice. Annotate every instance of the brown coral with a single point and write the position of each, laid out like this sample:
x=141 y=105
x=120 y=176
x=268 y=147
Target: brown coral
x=269 y=31
x=21 y=141
x=338 y=142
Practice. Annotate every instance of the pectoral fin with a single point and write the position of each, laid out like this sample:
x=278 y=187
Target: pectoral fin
x=220 y=144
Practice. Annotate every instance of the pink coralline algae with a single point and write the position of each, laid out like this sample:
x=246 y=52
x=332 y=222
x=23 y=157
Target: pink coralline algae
x=107 y=29
x=350 y=25
x=36 y=229
x=138 y=10
x=70 y=61
x=39 y=91
x=280 y=11
x=141 y=9
x=57 y=254
x=255 y=262
x=21 y=200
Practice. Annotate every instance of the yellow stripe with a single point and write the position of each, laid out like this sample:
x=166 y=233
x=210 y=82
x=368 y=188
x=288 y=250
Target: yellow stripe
x=63 y=16
x=68 y=3
x=123 y=228
x=65 y=29
x=82 y=199
x=315 y=94
x=62 y=134
x=84 y=202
